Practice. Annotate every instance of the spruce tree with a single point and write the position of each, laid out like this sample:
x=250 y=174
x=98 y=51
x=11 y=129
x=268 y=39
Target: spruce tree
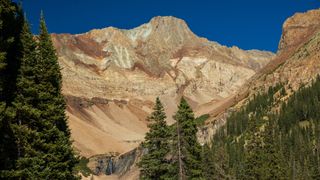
x=315 y=168
x=50 y=80
x=154 y=164
x=208 y=162
x=26 y=115
x=187 y=151
x=253 y=153
x=10 y=27
x=55 y=156
x=11 y=21
x=273 y=159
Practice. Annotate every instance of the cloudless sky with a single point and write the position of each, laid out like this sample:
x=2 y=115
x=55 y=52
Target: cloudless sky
x=249 y=24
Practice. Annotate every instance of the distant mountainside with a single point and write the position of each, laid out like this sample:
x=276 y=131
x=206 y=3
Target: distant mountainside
x=297 y=61
x=270 y=130
x=111 y=78
x=295 y=64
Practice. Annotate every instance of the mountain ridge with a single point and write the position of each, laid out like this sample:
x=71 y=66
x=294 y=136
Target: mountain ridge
x=111 y=78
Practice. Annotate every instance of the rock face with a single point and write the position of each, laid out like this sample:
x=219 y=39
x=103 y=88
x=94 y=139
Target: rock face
x=111 y=78
x=297 y=61
x=122 y=166
x=298 y=28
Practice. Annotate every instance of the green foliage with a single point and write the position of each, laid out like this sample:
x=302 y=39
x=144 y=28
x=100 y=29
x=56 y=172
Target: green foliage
x=173 y=152
x=257 y=107
x=263 y=158
x=10 y=27
x=274 y=166
x=54 y=151
x=201 y=119
x=186 y=149
x=303 y=105
x=50 y=80
x=280 y=144
x=35 y=139
x=82 y=167
x=208 y=162
x=154 y=164
x=253 y=161
x=215 y=162
x=24 y=106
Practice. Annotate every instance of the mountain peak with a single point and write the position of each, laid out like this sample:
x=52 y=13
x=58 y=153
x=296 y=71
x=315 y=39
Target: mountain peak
x=167 y=20
x=164 y=27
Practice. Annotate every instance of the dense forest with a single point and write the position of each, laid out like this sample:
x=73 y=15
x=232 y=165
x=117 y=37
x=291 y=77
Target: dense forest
x=34 y=135
x=273 y=136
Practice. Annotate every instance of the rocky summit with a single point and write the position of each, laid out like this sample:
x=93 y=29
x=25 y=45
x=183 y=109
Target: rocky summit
x=112 y=76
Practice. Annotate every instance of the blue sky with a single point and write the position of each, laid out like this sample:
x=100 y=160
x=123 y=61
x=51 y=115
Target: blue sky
x=249 y=24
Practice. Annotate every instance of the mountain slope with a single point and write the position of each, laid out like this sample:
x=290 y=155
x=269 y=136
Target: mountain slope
x=297 y=59
x=112 y=76
x=273 y=131
x=296 y=63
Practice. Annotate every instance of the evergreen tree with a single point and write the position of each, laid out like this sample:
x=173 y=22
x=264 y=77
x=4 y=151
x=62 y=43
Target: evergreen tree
x=315 y=168
x=34 y=136
x=208 y=162
x=215 y=158
x=273 y=159
x=56 y=158
x=11 y=21
x=154 y=164
x=253 y=157
x=187 y=150
x=50 y=80
x=10 y=27
x=26 y=116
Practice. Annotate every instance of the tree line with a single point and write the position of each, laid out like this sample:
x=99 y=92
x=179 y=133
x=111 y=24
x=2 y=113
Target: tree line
x=269 y=138
x=34 y=134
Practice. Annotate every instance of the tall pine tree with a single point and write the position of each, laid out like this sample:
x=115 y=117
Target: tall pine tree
x=253 y=153
x=10 y=27
x=208 y=162
x=154 y=164
x=26 y=120
x=57 y=155
x=50 y=80
x=186 y=150
x=273 y=159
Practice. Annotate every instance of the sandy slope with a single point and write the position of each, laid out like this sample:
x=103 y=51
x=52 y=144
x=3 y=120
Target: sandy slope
x=102 y=133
